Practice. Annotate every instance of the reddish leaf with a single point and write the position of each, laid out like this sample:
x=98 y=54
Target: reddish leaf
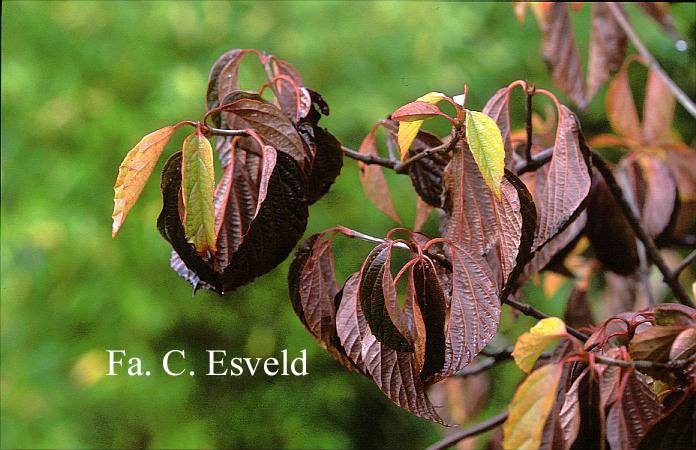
x=578 y=313
x=684 y=345
x=474 y=309
x=632 y=414
x=607 y=48
x=673 y=314
x=395 y=373
x=416 y=111
x=650 y=185
x=379 y=301
x=229 y=61
x=478 y=222
x=373 y=181
x=327 y=164
x=287 y=93
x=313 y=290
x=563 y=184
x=621 y=109
x=278 y=226
x=658 y=111
x=682 y=161
x=561 y=54
x=274 y=128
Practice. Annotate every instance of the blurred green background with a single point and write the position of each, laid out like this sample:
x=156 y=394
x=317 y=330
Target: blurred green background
x=83 y=81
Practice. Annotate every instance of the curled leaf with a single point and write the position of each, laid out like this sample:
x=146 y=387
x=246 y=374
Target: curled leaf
x=134 y=171
x=198 y=180
x=530 y=344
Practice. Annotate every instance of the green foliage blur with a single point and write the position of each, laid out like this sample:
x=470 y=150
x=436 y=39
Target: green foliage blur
x=83 y=81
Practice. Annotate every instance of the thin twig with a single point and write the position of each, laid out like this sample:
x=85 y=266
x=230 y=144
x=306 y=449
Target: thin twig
x=621 y=18
x=368 y=159
x=538 y=160
x=404 y=165
x=684 y=264
x=639 y=231
x=675 y=364
x=479 y=428
x=221 y=132
x=529 y=310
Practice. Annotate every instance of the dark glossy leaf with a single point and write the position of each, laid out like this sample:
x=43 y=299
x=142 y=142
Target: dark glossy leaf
x=395 y=373
x=278 y=226
x=432 y=302
x=607 y=48
x=326 y=166
x=561 y=54
x=379 y=302
x=676 y=429
x=582 y=416
x=609 y=232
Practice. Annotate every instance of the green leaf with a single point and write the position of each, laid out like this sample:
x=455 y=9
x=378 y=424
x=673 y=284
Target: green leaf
x=486 y=144
x=530 y=407
x=198 y=180
x=134 y=171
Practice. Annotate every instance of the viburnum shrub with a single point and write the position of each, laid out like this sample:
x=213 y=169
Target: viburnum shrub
x=512 y=203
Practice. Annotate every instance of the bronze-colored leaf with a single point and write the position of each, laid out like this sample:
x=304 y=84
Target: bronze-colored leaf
x=395 y=373
x=621 y=108
x=313 y=292
x=658 y=111
x=654 y=344
x=372 y=178
x=134 y=171
x=561 y=54
x=676 y=429
x=607 y=48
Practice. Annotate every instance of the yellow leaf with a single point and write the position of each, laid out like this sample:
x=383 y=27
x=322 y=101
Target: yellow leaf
x=134 y=171
x=409 y=130
x=530 y=407
x=530 y=345
x=198 y=180
x=486 y=144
